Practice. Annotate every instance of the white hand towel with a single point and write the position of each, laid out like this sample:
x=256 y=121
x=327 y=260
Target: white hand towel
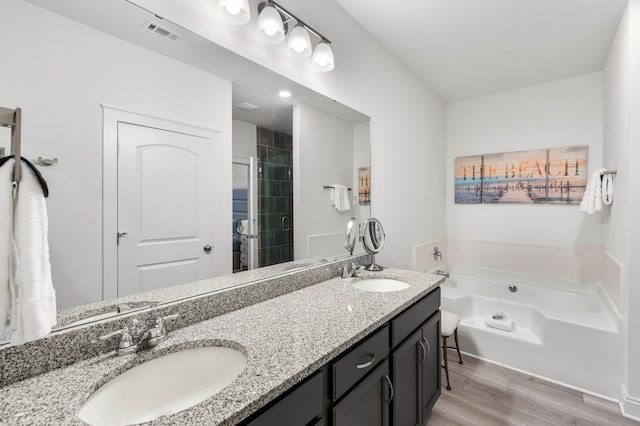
x=6 y=207
x=35 y=311
x=504 y=324
x=592 y=199
x=341 y=198
x=607 y=189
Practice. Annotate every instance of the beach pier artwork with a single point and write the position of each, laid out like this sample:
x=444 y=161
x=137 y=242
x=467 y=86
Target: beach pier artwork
x=567 y=174
x=468 y=176
x=554 y=175
x=515 y=177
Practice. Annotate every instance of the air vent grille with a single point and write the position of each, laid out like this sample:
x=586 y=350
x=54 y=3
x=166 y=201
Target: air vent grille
x=247 y=106
x=157 y=29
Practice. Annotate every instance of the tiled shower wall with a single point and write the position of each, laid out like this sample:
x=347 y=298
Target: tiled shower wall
x=275 y=197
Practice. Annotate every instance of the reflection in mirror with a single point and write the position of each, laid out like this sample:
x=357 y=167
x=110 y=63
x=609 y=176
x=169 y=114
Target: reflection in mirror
x=372 y=237
x=105 y=55
x=352 y=235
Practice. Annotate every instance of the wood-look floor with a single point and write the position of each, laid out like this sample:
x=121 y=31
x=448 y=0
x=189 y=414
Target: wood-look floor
x=486 y=394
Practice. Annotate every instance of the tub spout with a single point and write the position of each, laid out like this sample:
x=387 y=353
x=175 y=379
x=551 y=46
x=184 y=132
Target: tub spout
x=443 y=273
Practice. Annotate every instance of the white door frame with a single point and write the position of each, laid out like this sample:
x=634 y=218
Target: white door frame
x=111 y=116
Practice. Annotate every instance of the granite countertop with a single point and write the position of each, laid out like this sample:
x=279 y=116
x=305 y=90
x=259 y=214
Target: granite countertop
x=285 y=339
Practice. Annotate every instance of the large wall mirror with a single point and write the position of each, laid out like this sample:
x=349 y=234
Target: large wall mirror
x=99 y=77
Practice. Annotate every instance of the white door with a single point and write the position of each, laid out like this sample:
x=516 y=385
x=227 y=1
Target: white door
x=165 y=208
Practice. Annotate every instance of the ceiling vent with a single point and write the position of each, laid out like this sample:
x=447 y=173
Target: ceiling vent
x=155 y=28
x=247 y=106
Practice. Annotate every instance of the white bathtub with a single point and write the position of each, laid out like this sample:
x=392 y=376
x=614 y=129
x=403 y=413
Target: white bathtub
x=564 y=331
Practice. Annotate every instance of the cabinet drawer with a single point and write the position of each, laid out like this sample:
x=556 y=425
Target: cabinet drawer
x=404 y=324
x=299 y=407
x=359 y=361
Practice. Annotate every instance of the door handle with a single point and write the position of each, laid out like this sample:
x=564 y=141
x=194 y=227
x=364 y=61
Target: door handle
x=390 y=388
x=120 y=235
x=424 y=339
x=424 y=351
x=207 y=248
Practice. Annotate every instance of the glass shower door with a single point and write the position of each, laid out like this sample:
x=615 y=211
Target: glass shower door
x=245 y=225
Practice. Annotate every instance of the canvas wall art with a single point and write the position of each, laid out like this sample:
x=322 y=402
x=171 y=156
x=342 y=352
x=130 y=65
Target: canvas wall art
x=539 y=176
x=515 y=177
x=567 y=174
x=468 y=179
x=364 y=186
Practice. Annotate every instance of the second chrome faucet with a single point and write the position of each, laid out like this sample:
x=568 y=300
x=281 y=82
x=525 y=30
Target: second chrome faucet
x=140 y=335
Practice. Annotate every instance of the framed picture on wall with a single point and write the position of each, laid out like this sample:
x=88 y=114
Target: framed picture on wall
x=567 y=169
x=364 y=186
x=468 y=179
x=515 y=177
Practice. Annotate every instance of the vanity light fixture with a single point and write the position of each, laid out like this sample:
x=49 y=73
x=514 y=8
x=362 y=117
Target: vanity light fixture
x=273 y=25
x=322 y=59
x=299 y=43
x=284 y=94
x=270 y=25
x=234 y=12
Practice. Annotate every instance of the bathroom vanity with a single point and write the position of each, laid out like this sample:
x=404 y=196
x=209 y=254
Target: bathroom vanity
x=327 y=354
x=391 y=377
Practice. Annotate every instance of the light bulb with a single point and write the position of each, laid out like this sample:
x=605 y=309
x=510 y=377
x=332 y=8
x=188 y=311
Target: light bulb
x=323 y=57
x=299 y=43
x=270 y=26
x=235 y=12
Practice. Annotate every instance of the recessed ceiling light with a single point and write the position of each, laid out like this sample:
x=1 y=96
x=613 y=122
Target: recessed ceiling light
x=284 y=94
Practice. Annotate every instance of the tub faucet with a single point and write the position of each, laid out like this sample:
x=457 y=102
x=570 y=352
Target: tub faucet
x=437 y=254
x=140 y=335
x=443 y=273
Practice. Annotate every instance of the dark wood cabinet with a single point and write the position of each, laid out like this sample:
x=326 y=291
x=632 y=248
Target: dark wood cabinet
x=416 y=374
x=301 y=406
x=368 y=404
x=430 y=374
x=390 y=377
x=406 y=378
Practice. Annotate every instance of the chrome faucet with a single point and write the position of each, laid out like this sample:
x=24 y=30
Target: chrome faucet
x=139 y=335
x=437 y=254
x=350 y=272
x=443 y=273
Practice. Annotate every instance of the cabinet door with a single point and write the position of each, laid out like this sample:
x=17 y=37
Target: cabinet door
x=431 y=365
x=368 y=403
x=406 y=406
x=300 y=407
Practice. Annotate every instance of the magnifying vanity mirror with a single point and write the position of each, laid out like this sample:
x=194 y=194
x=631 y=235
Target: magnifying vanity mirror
x=372 y=237
x=286 y=149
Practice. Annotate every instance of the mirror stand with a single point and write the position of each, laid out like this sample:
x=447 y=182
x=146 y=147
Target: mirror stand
x=373 y=266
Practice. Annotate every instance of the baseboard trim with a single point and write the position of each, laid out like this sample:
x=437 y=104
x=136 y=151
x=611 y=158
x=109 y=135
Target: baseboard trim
x=629 y=405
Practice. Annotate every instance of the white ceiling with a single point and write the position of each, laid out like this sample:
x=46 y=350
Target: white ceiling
x=468 y=48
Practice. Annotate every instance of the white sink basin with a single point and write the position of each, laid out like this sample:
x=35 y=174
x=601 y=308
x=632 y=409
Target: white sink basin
x=380 y=285
x=163 y=386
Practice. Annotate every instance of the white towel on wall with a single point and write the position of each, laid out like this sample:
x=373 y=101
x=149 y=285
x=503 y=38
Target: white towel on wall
x=6 y=241
x=35 y=310
x=592 y=199
x=340 y=198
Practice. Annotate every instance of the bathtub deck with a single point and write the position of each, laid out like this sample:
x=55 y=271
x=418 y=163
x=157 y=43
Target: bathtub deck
x=486 y=394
